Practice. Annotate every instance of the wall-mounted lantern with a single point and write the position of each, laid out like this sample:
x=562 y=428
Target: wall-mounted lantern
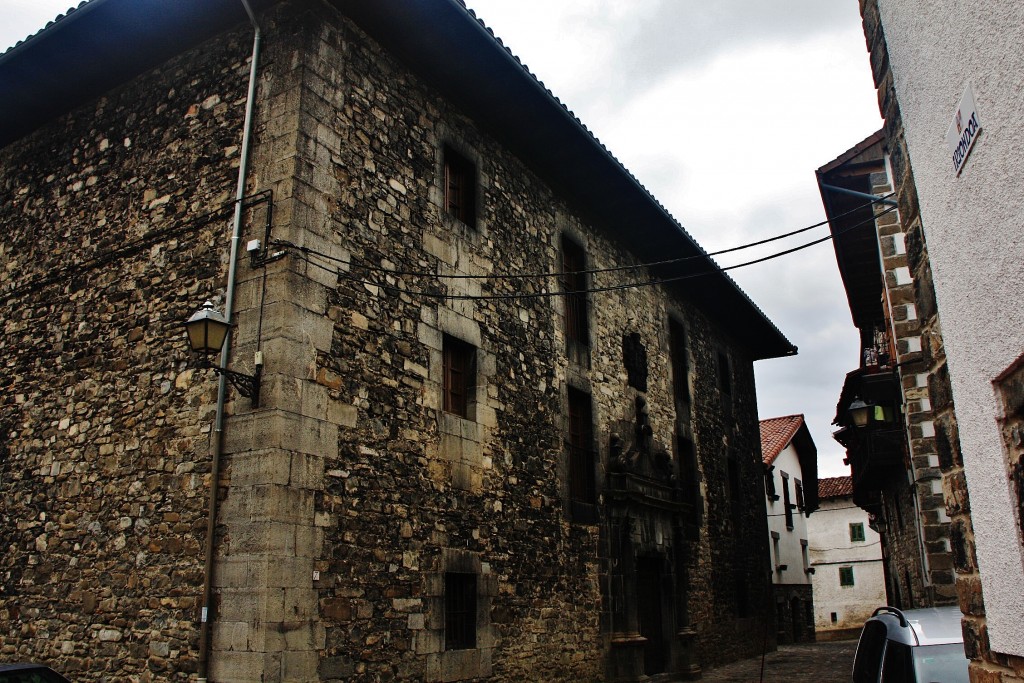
x=207 y=329
x=864 y=414
x=860 y=412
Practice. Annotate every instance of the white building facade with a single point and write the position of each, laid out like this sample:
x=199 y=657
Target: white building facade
x=791 y=488
x=846 y=559
x=957 y=72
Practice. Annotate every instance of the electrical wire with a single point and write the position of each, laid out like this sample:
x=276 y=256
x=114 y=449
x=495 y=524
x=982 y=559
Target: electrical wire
x=306 y=252
x=183 y=228
x=131 y=247
x=592 y=271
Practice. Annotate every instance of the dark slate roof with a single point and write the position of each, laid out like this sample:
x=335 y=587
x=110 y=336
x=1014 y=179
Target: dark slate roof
x=59 y=17
x=104 y=43
x=776 y=433
x=835 y=487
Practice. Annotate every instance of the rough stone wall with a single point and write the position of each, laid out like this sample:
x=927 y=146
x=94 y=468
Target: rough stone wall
x=348 y=492
x=902 y=538
x=986 y=665
x=104 y=430
x=794 y=613
x=733 y=545
x=415 y=491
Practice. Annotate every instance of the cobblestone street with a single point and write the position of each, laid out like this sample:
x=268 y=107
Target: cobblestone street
x=803 y=663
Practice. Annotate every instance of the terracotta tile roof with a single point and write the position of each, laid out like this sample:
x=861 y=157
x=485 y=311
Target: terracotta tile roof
x=835 y=487
x=776 y=433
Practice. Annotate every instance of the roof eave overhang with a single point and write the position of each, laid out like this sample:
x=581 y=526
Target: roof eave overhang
x=851 y=223
x=107 y=42
x=458 y=54
x=97 y=47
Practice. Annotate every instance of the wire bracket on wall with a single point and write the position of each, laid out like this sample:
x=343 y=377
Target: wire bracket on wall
x=258 y=250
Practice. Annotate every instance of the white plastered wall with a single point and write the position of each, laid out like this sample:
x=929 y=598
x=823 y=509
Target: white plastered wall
x=974 y=227
x=830 y=549
x=790 y=550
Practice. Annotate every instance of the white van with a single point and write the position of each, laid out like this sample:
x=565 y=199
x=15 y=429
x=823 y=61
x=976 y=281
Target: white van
x=912 y=646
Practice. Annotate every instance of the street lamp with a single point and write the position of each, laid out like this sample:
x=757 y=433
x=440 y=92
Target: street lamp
x=860 y=412
x=206 y=330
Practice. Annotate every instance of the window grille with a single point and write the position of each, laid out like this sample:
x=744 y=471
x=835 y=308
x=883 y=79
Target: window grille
x=582 y=485
x=680 y=361
x=574 y=283
x=459 y=611
x=459 y=375
x=459 y=187
x=724 y=374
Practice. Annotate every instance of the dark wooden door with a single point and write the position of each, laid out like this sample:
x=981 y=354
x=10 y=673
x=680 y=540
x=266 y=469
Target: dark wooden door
x=649 y=611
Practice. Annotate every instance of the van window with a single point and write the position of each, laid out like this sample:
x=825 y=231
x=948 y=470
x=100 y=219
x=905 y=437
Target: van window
x=941 y=663
x=898 y=667
x=868 y=662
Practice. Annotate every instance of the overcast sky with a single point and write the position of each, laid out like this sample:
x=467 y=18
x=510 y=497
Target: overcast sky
x=723 y=110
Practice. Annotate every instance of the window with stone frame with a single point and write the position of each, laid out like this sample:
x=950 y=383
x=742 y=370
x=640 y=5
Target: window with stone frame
x=857 y=532
x=1010 y=387
x=574 y=283
x=846 y=576
x=734 y=488
x=689 y=476
x=456 y=633
x=741 y=589
x=799 y=494
x=680 y=361
x=724 y=374
x=460 y=610
x=581 y=461
x=459 y=375
x=459 y=187
x=723 y=378
x=634 y=359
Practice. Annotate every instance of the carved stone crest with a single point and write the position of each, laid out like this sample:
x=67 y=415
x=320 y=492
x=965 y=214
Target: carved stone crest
x=637 y=453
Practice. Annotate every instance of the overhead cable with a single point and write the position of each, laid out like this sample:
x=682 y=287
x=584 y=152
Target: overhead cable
x=306 y=252
x=592 y=271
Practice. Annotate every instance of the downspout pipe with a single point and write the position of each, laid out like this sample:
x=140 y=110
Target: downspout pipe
x=217 y=438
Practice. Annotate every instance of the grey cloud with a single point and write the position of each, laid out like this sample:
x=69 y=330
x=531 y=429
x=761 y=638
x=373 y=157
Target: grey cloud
x=687 y=33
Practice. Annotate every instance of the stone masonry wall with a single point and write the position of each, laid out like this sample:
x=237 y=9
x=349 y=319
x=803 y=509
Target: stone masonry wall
x=410 y=491
x=104 y=429
x=986 y=666
x=347 y=493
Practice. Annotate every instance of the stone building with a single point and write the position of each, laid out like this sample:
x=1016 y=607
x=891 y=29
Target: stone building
x=846 y=556
x=892 y=450
x=791 y=485
x=952 y=125
x=489 y=441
